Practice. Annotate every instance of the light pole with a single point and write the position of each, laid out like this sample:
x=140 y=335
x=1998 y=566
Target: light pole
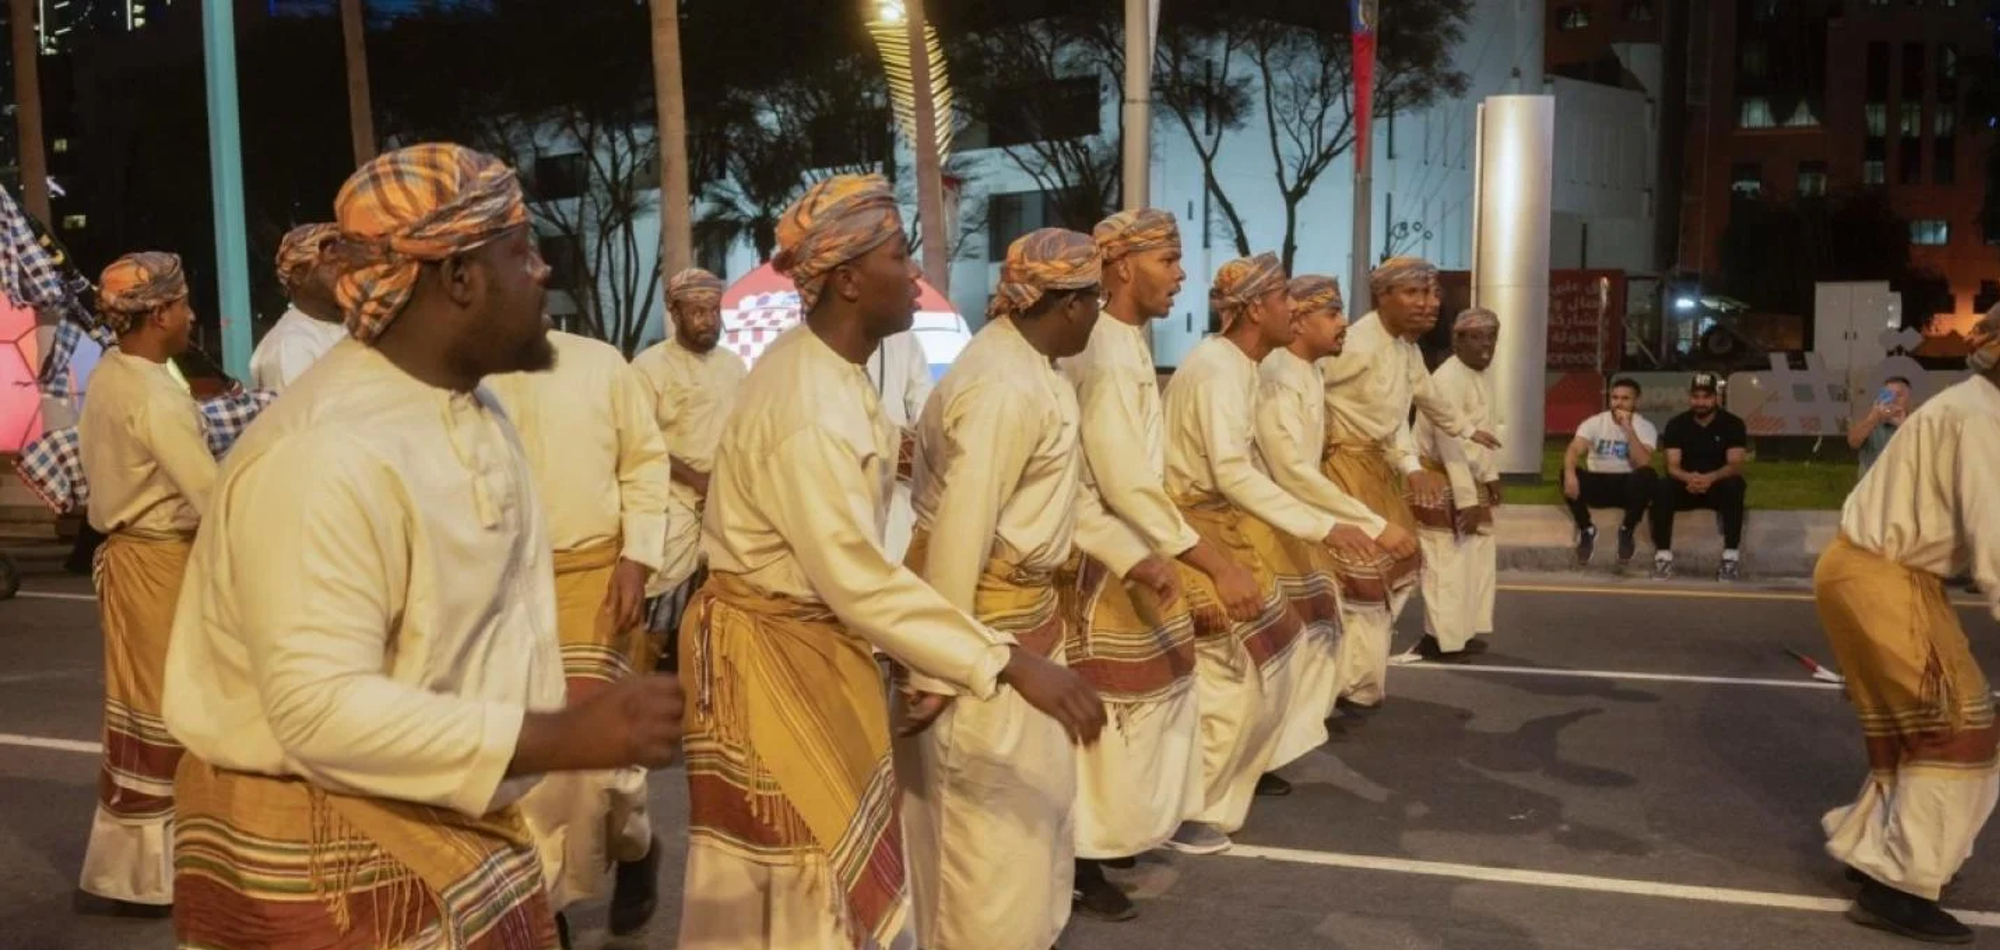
x=225 y=151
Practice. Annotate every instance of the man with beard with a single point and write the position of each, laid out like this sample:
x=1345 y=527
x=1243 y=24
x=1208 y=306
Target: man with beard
x=1135 y=788
x=150 y=474
x=692 y=384
x=312 y=325
x=1925 y=512
x=1291 y=436
x=999 y=504
x=587 y=428
x=1460 y=559
x=1706 y=448
x=1370 y=389
x=795 y=838
x=1244 y=681
x=365 y=667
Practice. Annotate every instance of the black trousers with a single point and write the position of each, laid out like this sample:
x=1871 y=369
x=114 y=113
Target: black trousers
x=1632 y=492
x=1725 y=497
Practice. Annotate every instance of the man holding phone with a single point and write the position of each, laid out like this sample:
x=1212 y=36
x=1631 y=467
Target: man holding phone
x=1870 y=434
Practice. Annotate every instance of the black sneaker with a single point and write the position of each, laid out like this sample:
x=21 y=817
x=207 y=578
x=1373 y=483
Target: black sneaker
x=1586 y=544
x=1433 y=652
x=1098 y=898
x=1628 y=545
x=1269 y=785
x=635 y=892
x=1477 y=645
x=1663 y=570
x=1730 y=572
x=1885 y=908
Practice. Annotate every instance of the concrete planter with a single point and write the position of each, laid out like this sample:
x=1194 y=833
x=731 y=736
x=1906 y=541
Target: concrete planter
x=1775 y=543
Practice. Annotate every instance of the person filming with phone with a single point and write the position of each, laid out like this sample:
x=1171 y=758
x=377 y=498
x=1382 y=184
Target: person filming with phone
x=1870 y=434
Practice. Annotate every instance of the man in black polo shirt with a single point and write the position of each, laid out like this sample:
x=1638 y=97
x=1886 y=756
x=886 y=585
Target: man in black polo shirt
x=1705 y=449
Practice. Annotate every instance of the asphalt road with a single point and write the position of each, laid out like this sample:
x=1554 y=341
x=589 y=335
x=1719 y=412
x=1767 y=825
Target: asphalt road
x=1632 y=766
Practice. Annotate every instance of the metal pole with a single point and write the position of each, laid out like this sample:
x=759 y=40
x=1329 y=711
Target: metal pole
x=930 y=174
x=676 y=228
x=360 y=106
x=28 y=111
x=225 y=150
x=1138 y=167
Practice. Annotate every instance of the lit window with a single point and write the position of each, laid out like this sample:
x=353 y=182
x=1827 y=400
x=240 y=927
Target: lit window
x=1746 y=179
x=1874 y=171
x=1755 y=113
x=75 y=222
x=59 y=146
x=1944 y=122
x=1878 y=119
x=1912 y=119
x=1573 y=17
x=1812 y=179
x=1930 y=232
x=1802 y=117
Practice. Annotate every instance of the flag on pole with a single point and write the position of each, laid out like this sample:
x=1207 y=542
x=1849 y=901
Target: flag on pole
x=1364 y=76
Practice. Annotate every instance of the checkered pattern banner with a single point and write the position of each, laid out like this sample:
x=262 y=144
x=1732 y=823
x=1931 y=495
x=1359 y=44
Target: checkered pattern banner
x=759 y=320
x=52 y=466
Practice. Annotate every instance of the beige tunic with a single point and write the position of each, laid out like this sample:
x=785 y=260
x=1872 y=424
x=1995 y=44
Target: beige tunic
x=144 y=454
x=371 y=606
x=291 y=347
x=803 y=477
x=1370 y=388
x=1459 y=573
x=1291 y=438
x=692 y=395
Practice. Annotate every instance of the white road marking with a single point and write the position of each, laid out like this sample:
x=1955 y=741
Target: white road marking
x=53 y=595
x=1575 y=882
x=59 y=745
x=1638 y=590
x=1623 y=675
x=11 y=678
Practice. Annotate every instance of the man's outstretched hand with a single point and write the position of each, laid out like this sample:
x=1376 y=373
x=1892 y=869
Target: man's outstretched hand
x=1059 y=692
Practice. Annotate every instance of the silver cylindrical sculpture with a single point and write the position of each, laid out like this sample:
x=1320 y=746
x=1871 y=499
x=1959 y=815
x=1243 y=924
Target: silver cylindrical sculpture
x=1510 y=262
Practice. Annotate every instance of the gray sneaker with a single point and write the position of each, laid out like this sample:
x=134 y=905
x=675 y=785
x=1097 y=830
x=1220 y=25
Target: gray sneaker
x=1663 y=570
x=1730 y=572
x=1194 y=837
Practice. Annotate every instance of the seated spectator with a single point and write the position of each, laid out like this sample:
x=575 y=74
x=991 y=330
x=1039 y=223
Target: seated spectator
x=1870 y=434
x=1616 y=450
x=1705 y=449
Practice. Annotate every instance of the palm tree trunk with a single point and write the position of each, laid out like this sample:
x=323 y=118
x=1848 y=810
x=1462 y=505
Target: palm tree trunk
x=360 y=109
x=28 y=110
x=930 y=173
x=676 y=212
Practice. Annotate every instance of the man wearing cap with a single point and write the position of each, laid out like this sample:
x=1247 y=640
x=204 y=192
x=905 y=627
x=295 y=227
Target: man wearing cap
x=312 y=324
x=1136 y=786
x=1460 y=560
x=1370 y=389
x=692 y=385
x=1244 y=680
x=587 y=428
x=999 y=503
x=1926 y=511
x=794 y=831
x=366 y=694
x=1705 y=456
x=150 y=473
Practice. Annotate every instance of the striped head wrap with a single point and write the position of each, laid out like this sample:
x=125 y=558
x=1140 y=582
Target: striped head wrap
x=411 y=207
x=1476 y=318
x=136 y=285
x=1985 y=340
x=835 y=221
x=1240 y=282
x=1041 y=261
x=299 y=253
x=694 y=286
x=1312 y=293
x=1130 y=232
x=1397 y=271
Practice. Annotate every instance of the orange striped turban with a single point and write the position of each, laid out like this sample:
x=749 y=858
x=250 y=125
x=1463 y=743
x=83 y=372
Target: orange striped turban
x=1041 y=261
x=835 y=221
x=1129 y=232
x=694 y=286
x=1240 y=282
x=136 y=285
x=299 y=253
x=1397 y=271
x=411 y=207
x=1312 y=293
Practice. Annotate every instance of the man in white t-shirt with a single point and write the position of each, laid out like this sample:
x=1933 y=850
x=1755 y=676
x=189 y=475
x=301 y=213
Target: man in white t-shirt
x=1610 y=465
x=313 y=324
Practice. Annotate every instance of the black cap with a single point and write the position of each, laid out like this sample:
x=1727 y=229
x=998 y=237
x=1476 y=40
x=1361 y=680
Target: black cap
x=1705 y=381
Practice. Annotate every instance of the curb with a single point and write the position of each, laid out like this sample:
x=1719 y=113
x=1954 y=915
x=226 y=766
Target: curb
x=1542 y=539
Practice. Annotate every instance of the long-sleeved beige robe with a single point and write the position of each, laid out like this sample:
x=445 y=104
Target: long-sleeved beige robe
x=588 y=431
x=1245 y=681
x=1459 y=571
x=991 y=785
x=1143 y=778
x=151 y=475
x=371 y=611
x=1370 y=389
x=801 y=490
x=692 y=395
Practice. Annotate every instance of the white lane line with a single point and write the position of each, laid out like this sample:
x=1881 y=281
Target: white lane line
x=59 y=745
x=1636 y=590
x=7 y=679
x=1574 y=882
x=53 y=595
x=1621 y=675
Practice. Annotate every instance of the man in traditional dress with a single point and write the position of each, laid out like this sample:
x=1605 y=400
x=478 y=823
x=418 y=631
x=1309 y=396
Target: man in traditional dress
x=1370 y=389
x=998 y=502
x=595 y=451
x=1244 y=681
x=365 y=667
x=1460 y=558
x=795 y=835
x=1926 y=511
x=150 y=473
x=1135 y=788
x=693 y=386
x=1291 y=435
x=312 y=325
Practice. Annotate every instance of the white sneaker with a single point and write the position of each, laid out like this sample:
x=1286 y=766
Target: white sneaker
x=1194 y=837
